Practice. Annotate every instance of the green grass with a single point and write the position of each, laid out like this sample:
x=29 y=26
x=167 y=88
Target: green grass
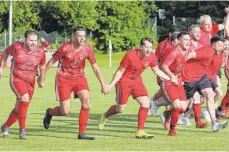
x=118 y=134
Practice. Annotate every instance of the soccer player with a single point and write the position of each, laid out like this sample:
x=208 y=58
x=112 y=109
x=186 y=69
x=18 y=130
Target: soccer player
x=194 y=102
x=167 y=43
x=27 y=57
x=128 y=81
x=71 y=78
x=173 y=89
x=196 y=80
x=208 y=30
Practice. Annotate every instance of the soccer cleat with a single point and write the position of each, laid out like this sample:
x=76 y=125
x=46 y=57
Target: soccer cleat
x=5 y=132
x=47 y=119
x=102 y=121
x=206 y=115
x=219 y=125
x=201 y=125
x=22 y=134
x=141 y=134
x=85 y=137
x=172 y=132
x=153 y=108
x=224 y=124
x=184 y=120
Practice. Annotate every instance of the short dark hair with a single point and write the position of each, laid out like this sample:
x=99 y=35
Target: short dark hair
x=79 y=28
x=146 y=39
x=31 y=31
x=182 y=33
x=216 y=39
x=173 y=28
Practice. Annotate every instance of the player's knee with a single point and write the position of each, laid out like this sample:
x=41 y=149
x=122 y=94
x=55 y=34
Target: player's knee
x=24 y=98
x=85 y=103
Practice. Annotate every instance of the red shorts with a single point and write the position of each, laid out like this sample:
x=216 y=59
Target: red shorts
x=21 y=87
x=173 y=92
x=124 y=90
x=64 y=87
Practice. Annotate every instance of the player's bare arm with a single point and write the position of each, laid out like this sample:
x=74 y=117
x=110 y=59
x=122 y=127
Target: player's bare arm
x=99 y=76
x=49 y=64
x=118 y=74
x=2 y=62
x=41 y=78
x=160 y=73
x=167 y=71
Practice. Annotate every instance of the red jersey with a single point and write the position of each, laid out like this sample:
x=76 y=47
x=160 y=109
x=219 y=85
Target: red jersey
x=194 y=47
x=72 y=63
x=175 y=60
x=135 y=65
x=214 y=67
x=194 y=69
x=205 y=38
x=163 y=47
x=25 y=63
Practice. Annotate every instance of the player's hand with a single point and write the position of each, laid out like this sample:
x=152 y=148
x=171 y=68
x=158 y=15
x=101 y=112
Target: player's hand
x=174 y=80
x=107 y=89
x=1 y=69
x=40 y=82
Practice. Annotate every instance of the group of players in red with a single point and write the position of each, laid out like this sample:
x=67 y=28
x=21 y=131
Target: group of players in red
x=186 y=70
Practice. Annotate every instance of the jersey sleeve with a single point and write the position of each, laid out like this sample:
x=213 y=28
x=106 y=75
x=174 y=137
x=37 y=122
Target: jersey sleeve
x=170 y=58
x=91 y=56
x=59 y=53
x=10 y=49
x=154 y=61
x=125 y=61
x=204 y=53
x=158 y=49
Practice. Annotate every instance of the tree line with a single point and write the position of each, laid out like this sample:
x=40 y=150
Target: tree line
x=122 y=22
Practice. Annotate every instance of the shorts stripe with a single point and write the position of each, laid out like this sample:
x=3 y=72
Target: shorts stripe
x=117 y=93
x=13 y=86
x=57 y=91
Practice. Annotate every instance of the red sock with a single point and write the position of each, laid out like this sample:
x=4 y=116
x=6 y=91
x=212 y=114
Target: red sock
x=22 y=112
x=174 y=117
x=111 y=111
x=12 y=118
x=225 y=100
x=55 y=111
x=197 y=112
x=84 y=115
x=142 y=115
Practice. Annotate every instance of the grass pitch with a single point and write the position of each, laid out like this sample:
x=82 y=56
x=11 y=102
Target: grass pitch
x=118 y=134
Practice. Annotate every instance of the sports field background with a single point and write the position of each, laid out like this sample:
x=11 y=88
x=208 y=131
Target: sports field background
x=118 y=134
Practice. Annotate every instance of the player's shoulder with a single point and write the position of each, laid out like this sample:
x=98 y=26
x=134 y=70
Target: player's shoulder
x=87 y=47
x=18 y=44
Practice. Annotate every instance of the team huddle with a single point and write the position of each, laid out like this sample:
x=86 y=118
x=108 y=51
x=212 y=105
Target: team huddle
x=186 y=64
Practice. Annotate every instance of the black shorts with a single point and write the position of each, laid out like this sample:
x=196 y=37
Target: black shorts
x=192 y=87
x=214 y=85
